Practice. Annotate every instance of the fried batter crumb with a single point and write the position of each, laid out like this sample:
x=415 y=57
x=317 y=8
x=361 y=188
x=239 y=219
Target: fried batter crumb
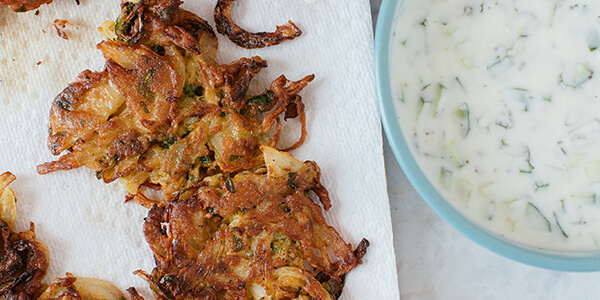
x=60 y=25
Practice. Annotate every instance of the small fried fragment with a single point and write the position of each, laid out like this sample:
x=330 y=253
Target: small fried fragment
x=8 y=201
x=133 y=294
x=24 y=5
x=249 y=40
x=71 y=287
x=24 y=257
x=256 y=235
x=60 y=25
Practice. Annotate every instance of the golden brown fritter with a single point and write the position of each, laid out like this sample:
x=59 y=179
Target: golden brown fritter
x=24 y=258
x=24 y=5
x=163 y=114
x=257 y=235
x=246 y=39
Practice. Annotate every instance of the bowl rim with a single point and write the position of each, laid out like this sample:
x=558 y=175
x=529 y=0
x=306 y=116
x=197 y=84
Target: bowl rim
x=426 y=190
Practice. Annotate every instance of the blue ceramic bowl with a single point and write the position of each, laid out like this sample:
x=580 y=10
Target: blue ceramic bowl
x=562 y=261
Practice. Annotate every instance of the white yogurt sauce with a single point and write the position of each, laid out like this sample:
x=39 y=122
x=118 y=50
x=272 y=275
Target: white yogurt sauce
x=500 y=104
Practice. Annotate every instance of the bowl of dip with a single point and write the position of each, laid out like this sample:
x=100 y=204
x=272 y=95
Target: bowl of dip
x=492 y=109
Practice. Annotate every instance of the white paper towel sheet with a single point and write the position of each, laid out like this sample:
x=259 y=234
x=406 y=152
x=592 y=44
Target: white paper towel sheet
x=89 y=229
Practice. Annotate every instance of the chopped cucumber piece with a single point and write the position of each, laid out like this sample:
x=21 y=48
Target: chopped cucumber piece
x=467 y=62
x=400 y=96
x=520 y=25
x=464 y=189
x=592 y=169
x=582 y=75
x=527 y=166
x=438 y=101
x=584 y=198
x=491 y=210
x=420 y=106
x=464 y=120
x=586 y=134
x=451 y=151
x=514 y=50
x=559 y=227
x=536 y=218
x=446 y=178
x=593 y=39
x=431 y=98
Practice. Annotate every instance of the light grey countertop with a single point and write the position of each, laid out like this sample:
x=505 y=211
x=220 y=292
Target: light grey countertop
x=435 y=261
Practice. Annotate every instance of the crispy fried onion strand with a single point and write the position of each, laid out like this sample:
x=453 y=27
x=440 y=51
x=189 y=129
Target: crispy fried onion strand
x=249 y=237
x=249 y=40
x=290 y=104
x=133 y=294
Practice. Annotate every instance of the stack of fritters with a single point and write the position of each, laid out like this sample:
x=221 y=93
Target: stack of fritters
x=237 y=220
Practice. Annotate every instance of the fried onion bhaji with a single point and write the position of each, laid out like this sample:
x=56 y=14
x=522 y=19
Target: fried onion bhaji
x=24 y=5
x=163 y=114
x=24 y=258
x=256 y=235
x=249 y=40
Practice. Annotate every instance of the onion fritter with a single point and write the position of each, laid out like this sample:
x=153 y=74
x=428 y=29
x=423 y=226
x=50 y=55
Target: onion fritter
x=256 y=235
x=163 y=113
x=249 y=40
x=24 y=258
x=24 y=5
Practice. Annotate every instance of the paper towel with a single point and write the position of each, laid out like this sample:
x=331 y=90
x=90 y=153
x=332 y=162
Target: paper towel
x=88 y=228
